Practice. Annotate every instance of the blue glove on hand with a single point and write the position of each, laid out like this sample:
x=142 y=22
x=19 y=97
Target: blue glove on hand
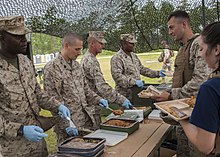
x=72 y=131
x=161 y=73
x=33 y=133
x=139 y=83
x=103 y=103
x=127 y=104
x=63 y=111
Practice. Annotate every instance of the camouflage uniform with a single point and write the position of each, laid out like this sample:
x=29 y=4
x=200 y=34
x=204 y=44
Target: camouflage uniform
x=68 y=84
x=126 y=69
x=190 y=72
x=1 y=151
x=96 y=80
x=21 y=99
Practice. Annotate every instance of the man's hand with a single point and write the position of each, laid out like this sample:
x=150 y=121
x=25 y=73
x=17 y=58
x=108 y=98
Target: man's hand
x=33 y=133
x=103 y=103
x=63 y=111
x=164 y=96
x=139 y=83
x=167 y=119
x=127 y=104
x=72 y=131
x=161 y=73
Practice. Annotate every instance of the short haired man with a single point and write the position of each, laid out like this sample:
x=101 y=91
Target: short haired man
x=190 y=70
x=126 y=68
x=20 y=95
x=64 y=79
x=93 y=71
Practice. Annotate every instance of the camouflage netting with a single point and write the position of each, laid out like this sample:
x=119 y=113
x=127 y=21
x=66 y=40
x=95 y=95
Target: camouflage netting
x=146 y=18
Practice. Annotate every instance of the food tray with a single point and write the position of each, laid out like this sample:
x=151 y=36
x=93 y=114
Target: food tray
x=132 y=125
x=164 y=86
x=146 y=110
x=181 y=106
x=93 y=153
x=138 y=113
x=155 y=115
x=81 y=144
x=190 y=101
x=149 y=92
x=112 y=137
x=62 y=154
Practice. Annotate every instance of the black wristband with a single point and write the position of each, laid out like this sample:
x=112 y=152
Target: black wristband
x=20 y=131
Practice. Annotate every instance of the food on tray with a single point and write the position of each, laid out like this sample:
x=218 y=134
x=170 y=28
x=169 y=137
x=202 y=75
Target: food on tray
x=117 y=122
x=153 y=90
x=173 y=111
x=117 y=112
x=81 y=143
x=145 y=93
x=141 y=108
x=149 y=92
x=191 y=102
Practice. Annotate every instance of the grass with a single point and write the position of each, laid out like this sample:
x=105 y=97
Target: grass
x=148 y=60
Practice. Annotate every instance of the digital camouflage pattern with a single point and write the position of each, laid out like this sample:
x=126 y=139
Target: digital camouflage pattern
x=200 y=72
x=126 y=69
x=128 y=37
x=96 y=80
x=98 y=35
x=17 y=87
x=14 y=25
x=197 y=73
x=68 y=84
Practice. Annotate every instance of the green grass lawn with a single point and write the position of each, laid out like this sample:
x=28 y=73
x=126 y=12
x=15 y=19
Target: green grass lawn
x=148 y=60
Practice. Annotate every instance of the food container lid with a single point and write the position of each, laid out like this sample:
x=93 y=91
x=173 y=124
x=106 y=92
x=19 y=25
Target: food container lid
x=112 y=137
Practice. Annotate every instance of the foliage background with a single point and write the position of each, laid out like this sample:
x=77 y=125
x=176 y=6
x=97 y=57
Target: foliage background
x=146 y=18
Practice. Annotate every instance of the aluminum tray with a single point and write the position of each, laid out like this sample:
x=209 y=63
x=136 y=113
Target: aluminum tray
x=130 y=129
x=179 y=104
x=94 y=153
x=79 y=149
x=112 y=137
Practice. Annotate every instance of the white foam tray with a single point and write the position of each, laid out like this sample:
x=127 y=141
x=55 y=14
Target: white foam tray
x=155 y=115
x=112 y=137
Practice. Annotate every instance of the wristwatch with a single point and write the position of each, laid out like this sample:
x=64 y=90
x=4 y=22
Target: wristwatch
x=20 y=131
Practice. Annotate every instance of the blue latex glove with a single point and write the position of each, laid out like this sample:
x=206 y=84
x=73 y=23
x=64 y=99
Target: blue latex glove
x=103 y=103
x=72 y=131
x=161 y=73
x=127 y=104
x=139 y=83
x=33 y=133
x=63 y=111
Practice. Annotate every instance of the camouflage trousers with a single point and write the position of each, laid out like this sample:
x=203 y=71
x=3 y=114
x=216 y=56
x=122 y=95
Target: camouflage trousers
x=184 y=147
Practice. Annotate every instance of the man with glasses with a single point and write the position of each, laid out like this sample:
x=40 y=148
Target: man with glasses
x=64 y=78
x=126 y=68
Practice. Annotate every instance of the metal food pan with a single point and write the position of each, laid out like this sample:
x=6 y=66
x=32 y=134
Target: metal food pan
x=146 y=110
x=134 y=125
x=80 y=147
x=93 y=153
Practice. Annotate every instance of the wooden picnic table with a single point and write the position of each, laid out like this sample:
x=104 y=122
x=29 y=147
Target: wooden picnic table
x=144 y=142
